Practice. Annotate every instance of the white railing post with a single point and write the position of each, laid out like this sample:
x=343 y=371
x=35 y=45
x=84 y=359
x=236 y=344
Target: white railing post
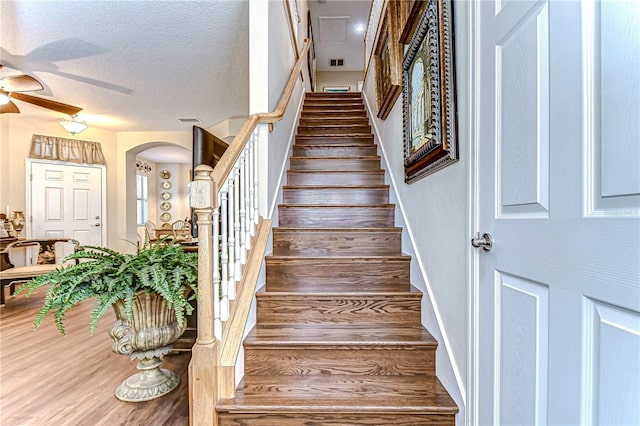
x=243 y=206
x=236 y=230
x=224 y=241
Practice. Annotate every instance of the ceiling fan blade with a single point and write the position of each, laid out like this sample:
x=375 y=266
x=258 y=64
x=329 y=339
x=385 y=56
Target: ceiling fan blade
x=47 y=103
x=9 y=108
x=20 y=83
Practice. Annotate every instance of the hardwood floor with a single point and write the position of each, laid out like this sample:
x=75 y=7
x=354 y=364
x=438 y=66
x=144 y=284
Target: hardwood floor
x=50 y=379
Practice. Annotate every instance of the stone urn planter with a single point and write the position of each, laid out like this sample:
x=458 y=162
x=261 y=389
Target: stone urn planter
x=147 y=338
x=151 y=292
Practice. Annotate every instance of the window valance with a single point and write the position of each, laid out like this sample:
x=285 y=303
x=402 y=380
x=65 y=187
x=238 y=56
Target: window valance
x=71 y=150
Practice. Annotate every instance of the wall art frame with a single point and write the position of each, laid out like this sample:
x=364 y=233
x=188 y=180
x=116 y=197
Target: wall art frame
x=410 y=13
x=388 y=61
x=428 y=94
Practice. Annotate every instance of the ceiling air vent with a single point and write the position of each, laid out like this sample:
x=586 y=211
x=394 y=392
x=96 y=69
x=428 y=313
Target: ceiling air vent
x=336 y=62
x=189 y=120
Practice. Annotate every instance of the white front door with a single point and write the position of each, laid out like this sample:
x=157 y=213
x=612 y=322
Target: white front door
x=67 y=202
x=557 y=299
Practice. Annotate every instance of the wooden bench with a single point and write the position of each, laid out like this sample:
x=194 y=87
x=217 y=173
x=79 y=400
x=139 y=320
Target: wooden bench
x=47 y=262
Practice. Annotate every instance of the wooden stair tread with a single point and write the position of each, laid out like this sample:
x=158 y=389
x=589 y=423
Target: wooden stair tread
x=339 y=172
x=338 y=259
x=391 y=229
x=335 y=145
x=261 y=293
x=332 y=206
x=332 y=335
x=350 y=135
x=350 y=157
x=340 y=393
x=338 y=187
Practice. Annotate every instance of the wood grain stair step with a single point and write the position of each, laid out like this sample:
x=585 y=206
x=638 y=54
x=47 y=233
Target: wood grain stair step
x=335 y=163
x=323 y=336
x=307 y=349
x=346 y=129
x=337 y=241
x=313 y=121
x=332 y=95
x=338 y=216
x=401 y=308
x=359 y=139
x=323 y=112
x=366 y=400
x=337 y=273
x=322 y=104
x=335 y=150
x=345 y=177
x=331 y=195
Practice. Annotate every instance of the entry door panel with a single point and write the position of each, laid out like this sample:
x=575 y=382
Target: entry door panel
x=559 y=190
x=67 y=202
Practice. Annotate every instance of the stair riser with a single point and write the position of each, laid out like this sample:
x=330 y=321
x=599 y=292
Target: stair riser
x=312 y=105
x=333 y=130
x=328 y=97
x=340 y=95
x=346 y=164
x=334 y=178
x=363 y=121
x=337 y=419
x=334 y=151
x=335 y=217
x=331 y=196
x=347 y=243
x=326 y=112
x=405 y=361
x=366 y=309
x=334 y=276
x=337 y=140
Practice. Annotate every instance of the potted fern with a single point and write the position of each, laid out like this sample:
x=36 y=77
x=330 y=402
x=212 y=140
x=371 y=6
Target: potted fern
x=150 y=292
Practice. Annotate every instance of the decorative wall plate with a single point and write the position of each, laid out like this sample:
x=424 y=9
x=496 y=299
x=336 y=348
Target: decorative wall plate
x=165 y=174
x=165 y=217
x=166 y=184
x=165 y=206
x=166 y=195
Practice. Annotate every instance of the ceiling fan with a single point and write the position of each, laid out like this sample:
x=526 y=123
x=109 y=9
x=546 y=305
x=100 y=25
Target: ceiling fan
x=14 y=86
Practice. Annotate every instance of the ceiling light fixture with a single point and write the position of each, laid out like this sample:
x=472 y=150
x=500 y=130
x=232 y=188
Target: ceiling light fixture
x=74 y=125
x=4 y=98
x=360 y=28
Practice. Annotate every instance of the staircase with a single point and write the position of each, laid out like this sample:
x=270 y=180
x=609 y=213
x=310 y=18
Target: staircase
x=339 y=339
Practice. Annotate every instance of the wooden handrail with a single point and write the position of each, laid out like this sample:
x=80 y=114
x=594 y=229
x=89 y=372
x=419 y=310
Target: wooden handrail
x=225 y=165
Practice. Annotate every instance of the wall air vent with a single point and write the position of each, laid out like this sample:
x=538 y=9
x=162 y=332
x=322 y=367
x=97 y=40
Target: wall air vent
x=189 y=120
x=336 y=62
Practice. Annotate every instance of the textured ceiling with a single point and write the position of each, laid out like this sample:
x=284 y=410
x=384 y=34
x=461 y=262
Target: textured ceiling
x=132 y=65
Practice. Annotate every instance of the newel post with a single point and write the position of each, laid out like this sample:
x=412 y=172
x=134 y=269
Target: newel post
x=203 y=393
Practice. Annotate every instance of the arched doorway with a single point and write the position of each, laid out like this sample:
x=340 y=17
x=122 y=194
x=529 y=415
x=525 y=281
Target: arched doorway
x=166 y=168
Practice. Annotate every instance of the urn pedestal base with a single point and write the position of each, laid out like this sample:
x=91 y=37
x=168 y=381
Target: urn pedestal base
x=147 y=338
x=151 y=382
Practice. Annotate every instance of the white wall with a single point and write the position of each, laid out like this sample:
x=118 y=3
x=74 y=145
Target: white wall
x=338 y=78
x=434 y=213
x=282 y=57
x=16 y=132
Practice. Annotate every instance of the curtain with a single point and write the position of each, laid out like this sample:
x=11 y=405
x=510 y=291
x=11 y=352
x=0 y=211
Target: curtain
x=71 y=150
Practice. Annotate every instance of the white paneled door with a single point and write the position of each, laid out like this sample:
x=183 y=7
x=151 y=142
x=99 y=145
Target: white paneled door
x=557 y=298
x=67 y=201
